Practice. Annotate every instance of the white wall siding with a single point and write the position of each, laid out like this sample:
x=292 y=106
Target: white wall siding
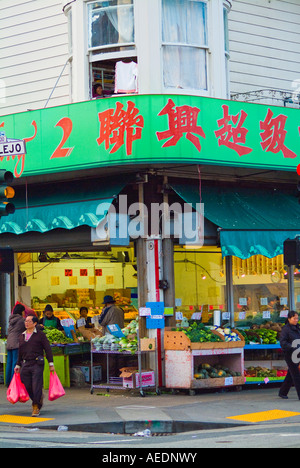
x=264 y=45
x=33 y=52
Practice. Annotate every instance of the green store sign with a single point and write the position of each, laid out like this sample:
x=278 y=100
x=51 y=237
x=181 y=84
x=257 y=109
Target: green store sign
x=152 y=129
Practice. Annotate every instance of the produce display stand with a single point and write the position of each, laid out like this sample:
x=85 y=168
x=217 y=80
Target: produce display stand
x=266 y=356
x=181 y=356
x=116 y=383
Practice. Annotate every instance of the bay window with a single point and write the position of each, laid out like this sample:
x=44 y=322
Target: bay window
x=185 y=44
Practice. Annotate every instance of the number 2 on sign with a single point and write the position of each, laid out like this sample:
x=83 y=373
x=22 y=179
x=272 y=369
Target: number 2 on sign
x=60 y=152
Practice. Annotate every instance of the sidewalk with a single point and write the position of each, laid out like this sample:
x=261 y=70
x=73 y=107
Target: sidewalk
x=127 y=412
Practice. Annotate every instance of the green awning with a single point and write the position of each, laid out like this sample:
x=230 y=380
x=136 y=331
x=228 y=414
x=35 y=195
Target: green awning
x=61 y=205
x=251 y=221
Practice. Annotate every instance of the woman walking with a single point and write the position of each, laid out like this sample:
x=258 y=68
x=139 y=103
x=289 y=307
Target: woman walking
x=16 y=327
x=30 y=363
x=289 y=342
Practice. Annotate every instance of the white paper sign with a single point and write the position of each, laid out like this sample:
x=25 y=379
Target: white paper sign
x=266 y=314
x=178 y=316
x=243 y=301
x=144 y=311
x=197 y=315
x=284 y=313
x=264 y=301
x=81 y=322
x=226 y=316
x=228 y=380
x=242 y=315
x=283 y=301
x=67 y=322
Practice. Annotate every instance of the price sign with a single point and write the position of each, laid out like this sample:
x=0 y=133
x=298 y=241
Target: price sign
x=115 y=330
x=144 y=311
x=81 y=322
x=266 y=314
x=226 y=316
x=228 y=380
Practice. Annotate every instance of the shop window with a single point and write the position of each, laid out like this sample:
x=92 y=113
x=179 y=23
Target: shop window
x=185 y=45
x=260 y=290
x=69 y=281
x=200 y=283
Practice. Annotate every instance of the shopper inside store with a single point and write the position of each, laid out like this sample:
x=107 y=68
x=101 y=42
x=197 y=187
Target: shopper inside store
x=111 y=314
x=49 y=319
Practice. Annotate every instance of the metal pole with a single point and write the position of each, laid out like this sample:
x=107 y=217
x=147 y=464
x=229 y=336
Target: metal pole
x=291 y=287
x=229 y=289
x=5 y=301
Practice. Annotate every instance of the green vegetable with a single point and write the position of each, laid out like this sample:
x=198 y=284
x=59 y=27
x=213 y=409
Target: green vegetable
x=56 y=336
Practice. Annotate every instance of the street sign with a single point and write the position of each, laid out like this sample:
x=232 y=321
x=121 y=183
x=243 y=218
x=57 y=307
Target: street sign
x=12 y=147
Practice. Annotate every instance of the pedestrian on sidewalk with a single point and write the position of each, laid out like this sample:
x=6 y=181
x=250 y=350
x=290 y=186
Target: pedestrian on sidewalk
x=289 y=342
x=16 y=327
x=30 y=363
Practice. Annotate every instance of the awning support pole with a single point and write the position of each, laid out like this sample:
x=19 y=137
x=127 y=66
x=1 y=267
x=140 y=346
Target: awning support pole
x=291 y=287
x=229 y=289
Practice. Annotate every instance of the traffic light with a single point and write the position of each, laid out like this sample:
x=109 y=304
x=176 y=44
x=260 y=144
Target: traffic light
x=291 y=248
x=7 y=261
x=6 y=193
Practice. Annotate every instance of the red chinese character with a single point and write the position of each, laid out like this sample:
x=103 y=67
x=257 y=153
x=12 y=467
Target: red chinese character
x=233 y=136
x=273 y=135
x=114 y=125
x=182 y=119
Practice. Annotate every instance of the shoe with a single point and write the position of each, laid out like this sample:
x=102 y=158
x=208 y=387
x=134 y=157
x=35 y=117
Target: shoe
x=35 y=410
x=284 y=397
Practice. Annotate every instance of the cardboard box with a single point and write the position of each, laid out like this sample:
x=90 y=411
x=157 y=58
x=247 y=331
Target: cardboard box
x=97 y=373
x=131 y=377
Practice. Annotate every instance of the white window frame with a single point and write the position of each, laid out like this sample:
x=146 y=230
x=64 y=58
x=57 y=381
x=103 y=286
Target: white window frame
x=205 y=47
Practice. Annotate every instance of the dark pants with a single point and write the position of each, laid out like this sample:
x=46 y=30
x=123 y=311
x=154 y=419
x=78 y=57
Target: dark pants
x=32 y=378
x=292 y=377
x=12 y=357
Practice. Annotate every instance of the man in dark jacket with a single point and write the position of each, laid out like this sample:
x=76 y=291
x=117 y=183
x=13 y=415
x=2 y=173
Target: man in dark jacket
x=30 y=363
x=111 y=314
x=290 y=344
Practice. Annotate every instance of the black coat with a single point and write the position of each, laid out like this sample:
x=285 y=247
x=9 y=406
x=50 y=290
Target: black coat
x=34 y=347
x=288 y=335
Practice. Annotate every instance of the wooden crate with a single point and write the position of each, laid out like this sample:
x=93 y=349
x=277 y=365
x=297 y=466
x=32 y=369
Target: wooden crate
x=179 y=341
x=216 y=383
x=147 y=344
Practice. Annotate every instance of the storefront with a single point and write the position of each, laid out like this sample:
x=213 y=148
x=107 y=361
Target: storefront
x=81 y=158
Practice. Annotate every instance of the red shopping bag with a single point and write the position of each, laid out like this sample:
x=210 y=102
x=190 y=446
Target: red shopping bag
x=16 y=390
x=56 y=389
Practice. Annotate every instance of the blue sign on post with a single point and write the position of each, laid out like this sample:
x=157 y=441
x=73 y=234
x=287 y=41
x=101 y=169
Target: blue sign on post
x=156 y=320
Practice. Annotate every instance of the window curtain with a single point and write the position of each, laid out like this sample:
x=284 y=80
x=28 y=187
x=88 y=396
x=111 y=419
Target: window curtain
x=112 y=24
x=184 y=31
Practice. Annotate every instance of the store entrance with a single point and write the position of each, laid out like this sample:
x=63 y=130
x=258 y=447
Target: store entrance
x=70 y=281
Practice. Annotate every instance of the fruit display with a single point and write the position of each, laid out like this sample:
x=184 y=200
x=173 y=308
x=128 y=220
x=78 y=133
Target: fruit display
x=267 y=336
x=259 y=371
x=228 y=334
x=207 y=371
x=199 y=333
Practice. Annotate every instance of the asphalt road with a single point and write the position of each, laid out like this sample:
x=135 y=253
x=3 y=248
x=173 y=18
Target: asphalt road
x=257 y=436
